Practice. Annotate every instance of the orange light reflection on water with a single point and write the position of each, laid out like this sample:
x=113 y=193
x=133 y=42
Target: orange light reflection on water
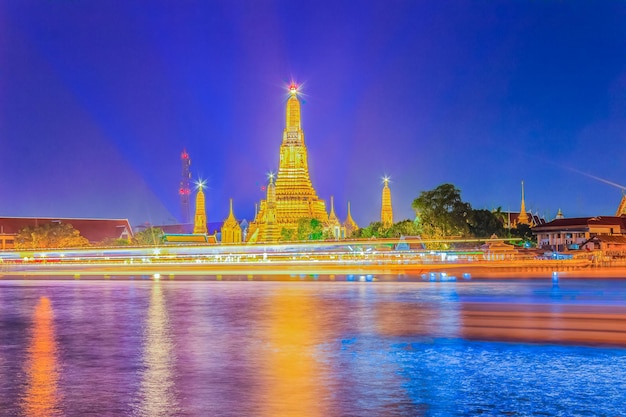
x=42 y=397
x=293 y=375
x=157 y=391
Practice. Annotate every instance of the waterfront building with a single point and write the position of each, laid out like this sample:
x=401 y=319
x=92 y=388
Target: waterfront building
x=292 y=196
x=571 y=233
x=386 y=211
x=231 y=230
x=610 y=245
x=96 y=231
x=350 y=225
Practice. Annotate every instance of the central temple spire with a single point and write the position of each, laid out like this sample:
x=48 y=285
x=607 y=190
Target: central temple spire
x=293 y=110
x=292 y=194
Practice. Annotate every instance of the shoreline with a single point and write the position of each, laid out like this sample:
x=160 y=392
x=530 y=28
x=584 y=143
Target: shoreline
x=443 y=271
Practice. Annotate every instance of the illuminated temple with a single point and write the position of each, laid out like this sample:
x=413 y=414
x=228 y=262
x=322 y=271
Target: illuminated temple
x=386 y=211
x=290 y=196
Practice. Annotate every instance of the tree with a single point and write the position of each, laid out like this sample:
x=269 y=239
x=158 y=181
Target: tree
x=152 y=236
x=374 y=229
x=403 y=228
x=441 y=213
x=287 y=234
x=485 y=223
x=310 y=229
x=378 y=230
x=114 y=241
x=51 y=235
x=524 y=231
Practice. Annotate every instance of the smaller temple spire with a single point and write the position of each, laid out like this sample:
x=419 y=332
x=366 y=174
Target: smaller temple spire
x=199 y=225
x=559 y=214
x=386 y=212
x=272 y=233
x=332 y=217
x=523 y=216
x=350 y=224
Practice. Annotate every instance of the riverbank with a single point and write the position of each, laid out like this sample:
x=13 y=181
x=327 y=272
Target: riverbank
x=450 y=270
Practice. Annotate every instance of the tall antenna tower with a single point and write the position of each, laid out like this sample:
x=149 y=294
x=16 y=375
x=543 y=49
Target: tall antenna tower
x=185 y=187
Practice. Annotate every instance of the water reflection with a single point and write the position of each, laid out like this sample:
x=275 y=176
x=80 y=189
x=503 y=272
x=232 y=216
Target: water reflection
x=294 y=382
x=157 y=391
x=589 y=325
x=42 y=397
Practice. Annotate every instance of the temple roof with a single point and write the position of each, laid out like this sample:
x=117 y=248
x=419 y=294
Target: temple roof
x=94 y=230
x=583 y=222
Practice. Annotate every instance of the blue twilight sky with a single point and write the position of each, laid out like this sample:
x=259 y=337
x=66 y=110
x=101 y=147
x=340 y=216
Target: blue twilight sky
x=99 y=98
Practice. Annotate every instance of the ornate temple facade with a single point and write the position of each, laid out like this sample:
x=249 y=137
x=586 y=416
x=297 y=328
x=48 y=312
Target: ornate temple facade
x=291 y=196
x=231 y=230
x=386 y=211
x=335 y=227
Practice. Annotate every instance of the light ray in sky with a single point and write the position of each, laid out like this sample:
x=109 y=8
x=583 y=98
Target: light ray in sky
x=596 y=178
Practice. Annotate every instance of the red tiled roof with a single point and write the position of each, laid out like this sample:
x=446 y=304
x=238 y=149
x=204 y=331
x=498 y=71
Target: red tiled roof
x=581 y=222
x=610 y=239
x=512 y=216
x=94 y=230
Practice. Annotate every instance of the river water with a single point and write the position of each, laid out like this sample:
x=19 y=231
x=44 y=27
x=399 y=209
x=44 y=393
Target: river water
x=182 y=348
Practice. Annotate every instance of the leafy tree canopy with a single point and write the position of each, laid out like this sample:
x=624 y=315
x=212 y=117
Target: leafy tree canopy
x=441 y=213
x=310 y=229
x=150 y=237
x=111 y=241
x=524 y=231
x=377 y=230
x=287 y=234
x=485 y=223
x=51 y=235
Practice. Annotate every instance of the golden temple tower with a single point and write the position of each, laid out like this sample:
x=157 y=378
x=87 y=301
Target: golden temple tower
x=386 y=212
x=231 y=230
x=199 y=224
x=293 y=194
x=350 y=225
x=523 y=216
